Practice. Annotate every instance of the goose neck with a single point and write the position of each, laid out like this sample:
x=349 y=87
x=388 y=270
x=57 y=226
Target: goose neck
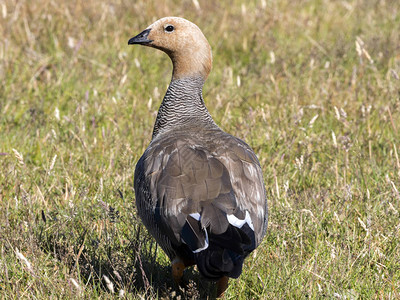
x=183 y=106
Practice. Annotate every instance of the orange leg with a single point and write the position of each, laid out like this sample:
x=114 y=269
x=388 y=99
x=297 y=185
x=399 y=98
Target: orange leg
x=177 y=270
x=222 y=285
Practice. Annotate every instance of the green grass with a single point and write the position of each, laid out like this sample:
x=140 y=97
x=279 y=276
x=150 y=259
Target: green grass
x=321 y=113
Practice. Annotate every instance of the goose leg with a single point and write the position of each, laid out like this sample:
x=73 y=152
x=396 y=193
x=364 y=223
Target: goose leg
x=222 y=285
x=177 y=270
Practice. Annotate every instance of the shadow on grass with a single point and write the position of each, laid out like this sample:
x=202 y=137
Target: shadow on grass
x=114 y=254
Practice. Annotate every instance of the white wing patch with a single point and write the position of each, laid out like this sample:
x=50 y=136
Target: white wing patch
x=197 y=217
x=205 y=246
x=239 y=223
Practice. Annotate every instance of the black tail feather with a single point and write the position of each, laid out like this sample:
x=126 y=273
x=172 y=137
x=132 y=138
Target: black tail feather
x=226 y=253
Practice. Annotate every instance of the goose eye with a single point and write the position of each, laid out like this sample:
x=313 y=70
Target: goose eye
x=169 y=28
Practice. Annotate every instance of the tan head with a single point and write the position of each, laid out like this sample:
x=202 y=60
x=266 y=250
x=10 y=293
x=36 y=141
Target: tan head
x=183 y=41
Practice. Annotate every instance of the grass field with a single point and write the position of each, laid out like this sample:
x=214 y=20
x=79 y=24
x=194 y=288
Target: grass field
x=312 y=86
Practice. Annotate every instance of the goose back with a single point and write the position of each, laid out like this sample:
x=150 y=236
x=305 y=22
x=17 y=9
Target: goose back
x=197 y=187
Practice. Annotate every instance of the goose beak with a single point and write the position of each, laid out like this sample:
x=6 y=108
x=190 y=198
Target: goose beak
x=141 y=38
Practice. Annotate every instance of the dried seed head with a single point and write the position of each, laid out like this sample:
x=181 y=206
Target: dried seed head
x=19 y=157
x=109 y=284
x=23 y=259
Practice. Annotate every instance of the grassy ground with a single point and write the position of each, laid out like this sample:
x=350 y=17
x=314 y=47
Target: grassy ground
x=313 y=86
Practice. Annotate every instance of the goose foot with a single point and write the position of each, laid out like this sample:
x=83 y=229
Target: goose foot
x=222 y=285
x=178 y=267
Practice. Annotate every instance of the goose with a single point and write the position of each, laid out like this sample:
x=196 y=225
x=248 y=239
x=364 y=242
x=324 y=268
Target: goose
x=199 y=190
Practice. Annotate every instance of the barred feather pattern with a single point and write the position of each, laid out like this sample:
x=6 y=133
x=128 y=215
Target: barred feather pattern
x=183 y=104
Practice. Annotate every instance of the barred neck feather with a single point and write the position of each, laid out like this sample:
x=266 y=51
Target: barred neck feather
x=183 y=105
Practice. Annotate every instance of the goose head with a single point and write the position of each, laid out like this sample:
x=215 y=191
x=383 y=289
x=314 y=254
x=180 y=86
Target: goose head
x=184 y=43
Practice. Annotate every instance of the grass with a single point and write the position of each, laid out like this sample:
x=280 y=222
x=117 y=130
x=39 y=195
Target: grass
x=313 y=86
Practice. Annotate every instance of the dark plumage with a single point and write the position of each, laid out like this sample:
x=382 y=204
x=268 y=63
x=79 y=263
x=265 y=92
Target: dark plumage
x=199 y=190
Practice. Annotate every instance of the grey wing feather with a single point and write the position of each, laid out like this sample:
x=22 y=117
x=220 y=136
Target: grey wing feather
x=183 y=178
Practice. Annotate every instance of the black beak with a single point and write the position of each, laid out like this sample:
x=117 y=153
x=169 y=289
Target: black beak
x=141 y=38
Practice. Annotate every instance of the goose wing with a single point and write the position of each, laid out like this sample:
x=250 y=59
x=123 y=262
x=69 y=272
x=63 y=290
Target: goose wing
x=203 y=191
